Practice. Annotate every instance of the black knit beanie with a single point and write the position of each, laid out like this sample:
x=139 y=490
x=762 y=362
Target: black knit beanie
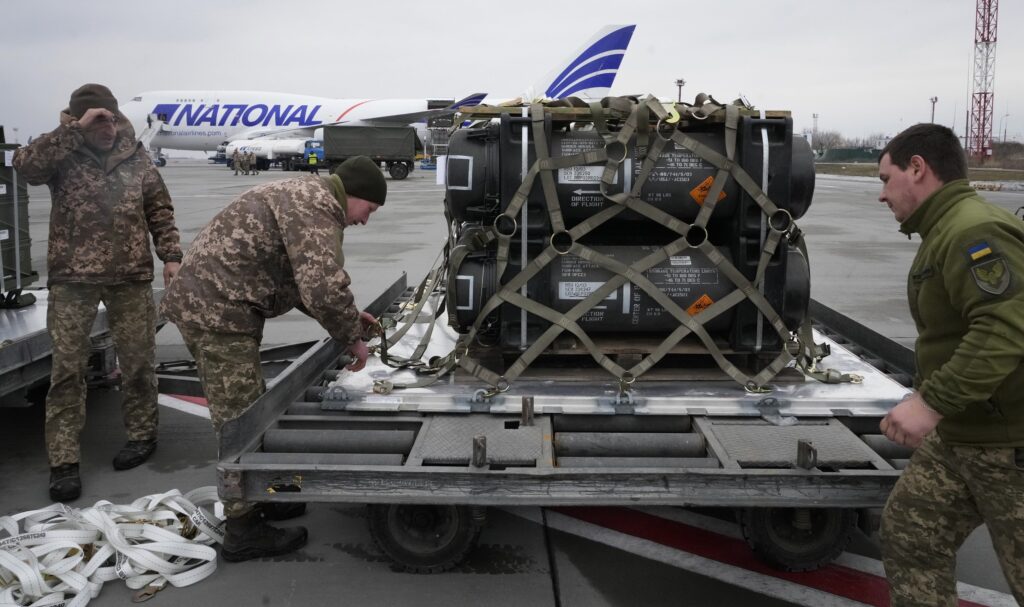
x=362 y=178
x=90 y=96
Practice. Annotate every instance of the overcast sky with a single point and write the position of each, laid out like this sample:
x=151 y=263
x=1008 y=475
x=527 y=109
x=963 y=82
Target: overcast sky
x=864 y=66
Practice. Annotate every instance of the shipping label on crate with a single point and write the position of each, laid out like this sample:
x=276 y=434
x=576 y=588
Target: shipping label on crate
x=3 y=189
x=4 y=234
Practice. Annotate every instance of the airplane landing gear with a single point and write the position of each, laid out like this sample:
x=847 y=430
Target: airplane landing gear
x=158 y=158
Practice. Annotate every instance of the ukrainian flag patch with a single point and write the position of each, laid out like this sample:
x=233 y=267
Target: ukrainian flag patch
x=979 y=250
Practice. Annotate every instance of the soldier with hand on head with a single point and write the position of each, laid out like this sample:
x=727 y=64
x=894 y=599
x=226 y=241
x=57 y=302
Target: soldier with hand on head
x=966 y=414
x=276 y=247
x=108 y=199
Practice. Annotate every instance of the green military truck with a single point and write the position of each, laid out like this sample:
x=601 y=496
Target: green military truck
x=393 y=147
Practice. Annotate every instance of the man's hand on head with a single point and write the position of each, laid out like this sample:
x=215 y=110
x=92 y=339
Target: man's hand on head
x=93 y=114
x=910 y=421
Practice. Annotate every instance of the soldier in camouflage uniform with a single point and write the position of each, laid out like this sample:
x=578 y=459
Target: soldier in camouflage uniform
x=107 y=200
x=967 y=299
x=236 y=161
x=277 y=247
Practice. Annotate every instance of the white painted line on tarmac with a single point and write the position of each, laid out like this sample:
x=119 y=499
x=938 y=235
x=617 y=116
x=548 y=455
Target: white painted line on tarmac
x=863 y=577
x=736 y=576
x=183 y=405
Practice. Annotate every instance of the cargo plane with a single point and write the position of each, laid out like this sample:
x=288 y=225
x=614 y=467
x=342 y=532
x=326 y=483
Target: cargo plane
x=202 y=120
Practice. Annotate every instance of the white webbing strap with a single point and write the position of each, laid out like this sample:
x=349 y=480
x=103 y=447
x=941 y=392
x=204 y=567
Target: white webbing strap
x=62 y=556
x=764 y=222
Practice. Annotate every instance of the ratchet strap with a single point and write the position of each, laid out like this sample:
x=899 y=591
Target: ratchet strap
x=62 y=556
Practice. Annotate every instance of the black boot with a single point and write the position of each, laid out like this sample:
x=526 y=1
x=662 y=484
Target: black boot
x=134 y=453
x=282 y=511
x=250 y=537
x=65 y=484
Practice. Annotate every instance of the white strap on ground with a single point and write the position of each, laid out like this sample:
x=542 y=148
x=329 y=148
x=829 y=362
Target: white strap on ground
x=62 y=556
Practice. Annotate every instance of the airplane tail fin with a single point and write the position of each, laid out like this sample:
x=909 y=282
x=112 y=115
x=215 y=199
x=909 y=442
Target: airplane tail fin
x=591 y=70
x=472 y=99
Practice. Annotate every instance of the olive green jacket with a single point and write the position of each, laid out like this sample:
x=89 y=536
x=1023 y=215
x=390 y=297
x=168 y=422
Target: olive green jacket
x=967 y=299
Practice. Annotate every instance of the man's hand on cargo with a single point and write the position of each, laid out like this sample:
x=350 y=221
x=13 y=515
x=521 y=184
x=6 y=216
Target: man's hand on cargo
x=371 y=327
x=170 y=271
x=910 y=421
x=359 y=351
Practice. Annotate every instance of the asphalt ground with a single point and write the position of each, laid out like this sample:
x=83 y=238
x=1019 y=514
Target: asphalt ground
x=525 y=556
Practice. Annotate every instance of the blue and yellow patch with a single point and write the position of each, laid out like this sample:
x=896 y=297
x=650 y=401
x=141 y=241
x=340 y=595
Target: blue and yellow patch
x=979 y=251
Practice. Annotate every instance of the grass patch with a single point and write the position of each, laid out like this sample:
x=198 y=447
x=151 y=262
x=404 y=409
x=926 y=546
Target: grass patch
x=871 y=170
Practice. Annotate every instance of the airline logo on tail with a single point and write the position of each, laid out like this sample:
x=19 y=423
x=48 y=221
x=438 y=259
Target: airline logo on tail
x=592 y=71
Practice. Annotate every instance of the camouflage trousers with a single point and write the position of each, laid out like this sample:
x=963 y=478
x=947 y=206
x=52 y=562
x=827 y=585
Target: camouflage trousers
x=232 y=378
x=70 y=313
x=943 y=495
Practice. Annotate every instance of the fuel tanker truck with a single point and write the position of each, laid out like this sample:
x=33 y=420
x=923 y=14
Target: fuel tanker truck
x=621 y=316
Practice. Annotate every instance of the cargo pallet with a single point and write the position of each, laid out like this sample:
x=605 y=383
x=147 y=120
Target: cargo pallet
x=802 y=464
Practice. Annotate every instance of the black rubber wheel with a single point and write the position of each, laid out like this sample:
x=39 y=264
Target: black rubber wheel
x=161 y=162
x=426 y=539
x=798 y=539
x=398 y=170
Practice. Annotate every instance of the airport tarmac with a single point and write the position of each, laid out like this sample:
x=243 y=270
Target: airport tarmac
x=526 y=556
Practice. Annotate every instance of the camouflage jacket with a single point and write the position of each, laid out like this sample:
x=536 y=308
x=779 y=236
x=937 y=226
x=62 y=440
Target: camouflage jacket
x=967 y=300
x=103 y=209
x=276 y=247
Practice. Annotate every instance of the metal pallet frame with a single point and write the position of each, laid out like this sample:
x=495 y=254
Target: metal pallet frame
x=545 y=484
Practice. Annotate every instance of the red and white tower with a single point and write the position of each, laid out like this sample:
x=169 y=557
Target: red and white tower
x=979 y=121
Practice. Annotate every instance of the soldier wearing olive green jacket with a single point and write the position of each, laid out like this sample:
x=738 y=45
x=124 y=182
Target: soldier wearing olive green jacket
x=966 y=415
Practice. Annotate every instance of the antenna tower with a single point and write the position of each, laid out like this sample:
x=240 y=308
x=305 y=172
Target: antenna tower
x=979 y=120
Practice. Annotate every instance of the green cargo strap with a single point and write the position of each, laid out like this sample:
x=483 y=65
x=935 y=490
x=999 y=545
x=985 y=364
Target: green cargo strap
x=643 y=130
x=636 y=123
x=547 y=180
x=597 y=113
x=421 y=298
x=811 y=353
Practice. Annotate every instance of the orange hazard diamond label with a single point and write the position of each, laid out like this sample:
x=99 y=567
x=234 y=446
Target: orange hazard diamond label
x=700 y=192
x=700 y=305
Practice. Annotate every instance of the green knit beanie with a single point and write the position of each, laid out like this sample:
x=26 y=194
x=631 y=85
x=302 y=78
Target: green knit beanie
x=362 y=178
x=90 y=96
